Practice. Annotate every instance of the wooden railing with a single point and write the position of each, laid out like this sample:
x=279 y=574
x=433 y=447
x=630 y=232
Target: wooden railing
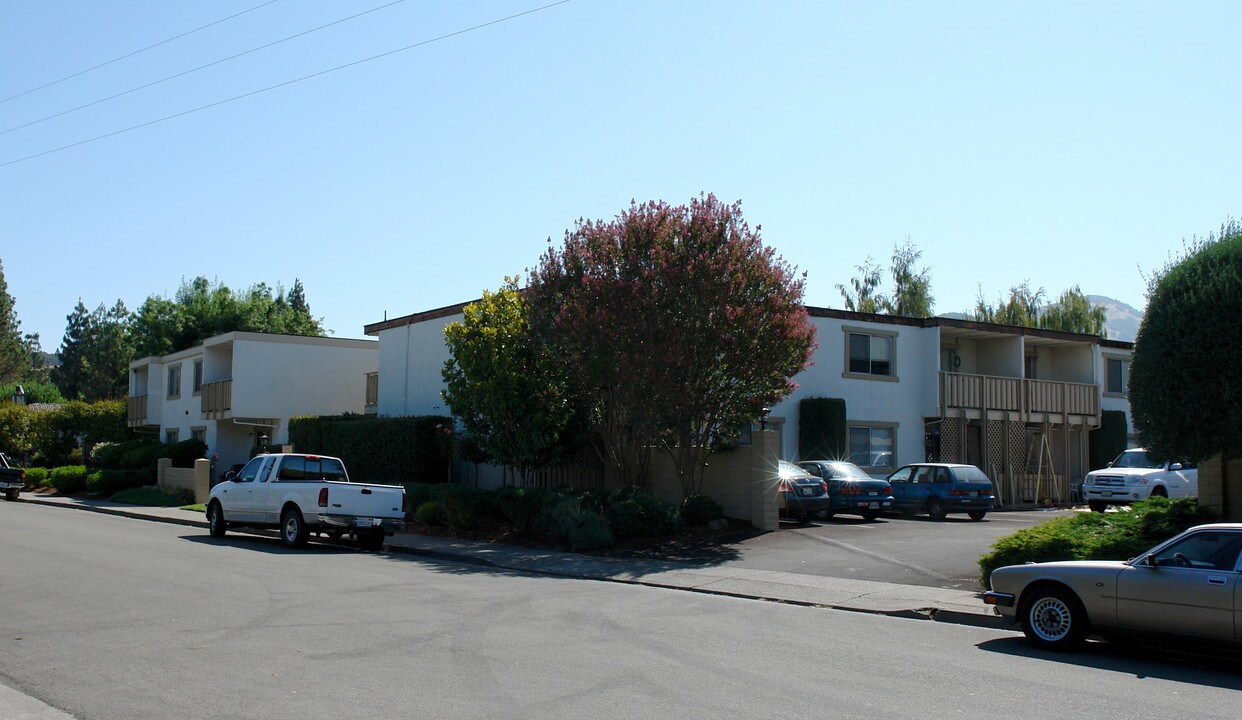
x=136 y=410
x=986 y=393
x=218 y=396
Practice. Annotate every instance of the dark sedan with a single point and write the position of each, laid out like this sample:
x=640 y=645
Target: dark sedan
x=799 y=493
x=850 y=489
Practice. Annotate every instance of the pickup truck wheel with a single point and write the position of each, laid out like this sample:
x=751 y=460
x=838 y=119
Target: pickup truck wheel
x=936 y=509
x=371 y=542
x=11 y=495
x=1053 y=619
x=215 y=520
x=1159 y=491
x=293 y=531
x=1097 y=506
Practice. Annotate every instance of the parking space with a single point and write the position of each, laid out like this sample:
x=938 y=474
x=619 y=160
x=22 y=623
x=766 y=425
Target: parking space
x=914 y=551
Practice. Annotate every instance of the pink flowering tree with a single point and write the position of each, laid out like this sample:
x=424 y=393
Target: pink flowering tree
x=677 y=326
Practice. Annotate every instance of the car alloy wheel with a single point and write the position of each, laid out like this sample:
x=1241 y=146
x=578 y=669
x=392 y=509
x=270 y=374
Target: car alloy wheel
x=1054 y=619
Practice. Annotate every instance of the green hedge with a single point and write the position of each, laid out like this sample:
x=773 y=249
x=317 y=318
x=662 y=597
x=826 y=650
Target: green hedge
x=37 y=477
x=1096 y=536
x=1107 y=441
x=107 y=482
x=381 y=450
x=68 y=479
x=822 y=432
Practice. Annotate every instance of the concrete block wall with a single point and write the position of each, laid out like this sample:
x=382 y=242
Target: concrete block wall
x=197 y=479
x=742 y=480
x=1220 y=487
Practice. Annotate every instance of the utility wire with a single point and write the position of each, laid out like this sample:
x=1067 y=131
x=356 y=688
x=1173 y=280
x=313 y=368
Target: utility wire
x=129 y=55
x=200 y=67
x=283 y=84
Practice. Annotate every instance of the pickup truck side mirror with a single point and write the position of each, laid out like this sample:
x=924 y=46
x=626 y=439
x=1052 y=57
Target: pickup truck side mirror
x=1175 y=466
x=231 y=476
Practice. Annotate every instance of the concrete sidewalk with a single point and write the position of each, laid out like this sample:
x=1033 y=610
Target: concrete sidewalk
x=913 y=601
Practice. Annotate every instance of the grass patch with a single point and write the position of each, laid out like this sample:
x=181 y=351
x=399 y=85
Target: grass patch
x=1096 y=536
x=196 y=507
x=150 y=497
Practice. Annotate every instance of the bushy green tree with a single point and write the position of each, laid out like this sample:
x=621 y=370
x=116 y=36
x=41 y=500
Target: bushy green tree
x=911 y=296
x=864 y=294
x=1073 y=312
x=1025 y=307
x=1185 y=378
x=677 y=326
x=201 y=309
x=503 y=384
x=95 y=353
x=18 y=352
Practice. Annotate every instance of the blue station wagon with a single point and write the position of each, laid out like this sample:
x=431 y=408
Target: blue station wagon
x=942 y=488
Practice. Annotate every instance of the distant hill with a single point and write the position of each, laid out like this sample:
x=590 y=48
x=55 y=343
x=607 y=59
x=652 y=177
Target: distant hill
x=1123 y=320
x=1122 y=324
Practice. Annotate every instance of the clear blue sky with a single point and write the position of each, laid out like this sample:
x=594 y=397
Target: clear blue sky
x=1064 y=143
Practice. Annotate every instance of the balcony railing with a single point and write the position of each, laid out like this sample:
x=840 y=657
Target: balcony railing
x=217 y=398
x=136 y=410
x=1026 y=399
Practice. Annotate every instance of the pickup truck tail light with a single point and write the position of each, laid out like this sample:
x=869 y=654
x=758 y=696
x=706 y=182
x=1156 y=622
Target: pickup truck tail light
x=323 y=497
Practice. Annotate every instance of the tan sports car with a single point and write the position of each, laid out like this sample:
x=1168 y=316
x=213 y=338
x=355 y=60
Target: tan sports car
x=1185 y=589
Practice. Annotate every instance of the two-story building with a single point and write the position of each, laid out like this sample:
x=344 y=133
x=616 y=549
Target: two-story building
x=240 y=389
x=1017 y=402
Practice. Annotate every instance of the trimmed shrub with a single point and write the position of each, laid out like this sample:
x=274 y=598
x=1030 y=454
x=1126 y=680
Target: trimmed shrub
x=110 y=455
x=35 y=477
x=627 y=518
x=567 y=522
x=155 y=497
x=518 y=508
x=107 y=482
x=384 y=450
x=68 y=479
x=822 y=432
x=430 y=513
x=1107 y=441
x=463 y=507
x=184 y=453
x=658 y=518
x=1096 y=536
x=698 y=510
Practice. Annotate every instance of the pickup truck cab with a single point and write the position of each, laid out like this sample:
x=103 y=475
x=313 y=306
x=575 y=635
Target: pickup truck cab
x=299 y=494
x=12 y=479
x=1133 y=476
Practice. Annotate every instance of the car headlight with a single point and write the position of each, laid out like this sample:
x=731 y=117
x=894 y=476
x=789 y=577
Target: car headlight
x=1136 y=481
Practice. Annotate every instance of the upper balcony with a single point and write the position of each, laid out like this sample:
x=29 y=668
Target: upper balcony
x=987 y=397
x=218 y=400
x=136 y=411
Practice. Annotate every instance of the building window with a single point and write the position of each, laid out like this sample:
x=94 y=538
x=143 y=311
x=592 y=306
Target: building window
x=1117 y=378
x=198 y=433
x=198 y=377
x=171 y=436
x=871 y=446
x=870 y=354
x=174 y=382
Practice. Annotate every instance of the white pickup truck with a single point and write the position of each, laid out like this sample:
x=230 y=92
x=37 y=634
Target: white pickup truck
x=300 y=494
x=1133 y=476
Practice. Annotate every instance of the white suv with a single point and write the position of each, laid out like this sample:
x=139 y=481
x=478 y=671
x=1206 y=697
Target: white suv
x=1133 y=477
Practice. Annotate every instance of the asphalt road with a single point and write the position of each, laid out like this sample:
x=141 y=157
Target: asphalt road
x=109 y=618
x=911 y=551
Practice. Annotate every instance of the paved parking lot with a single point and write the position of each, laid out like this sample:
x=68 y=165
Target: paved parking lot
x=914 y=551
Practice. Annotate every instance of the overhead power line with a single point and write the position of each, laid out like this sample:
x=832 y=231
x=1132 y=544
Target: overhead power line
x=200 y=67
x=129 y=55
x=284 y=84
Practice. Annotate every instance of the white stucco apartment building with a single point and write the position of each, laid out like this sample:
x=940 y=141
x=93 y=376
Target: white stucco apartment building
x=238 y=389
x=1006 y=399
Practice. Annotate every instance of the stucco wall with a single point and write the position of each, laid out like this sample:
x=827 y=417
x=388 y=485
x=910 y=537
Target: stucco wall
x=410 y=360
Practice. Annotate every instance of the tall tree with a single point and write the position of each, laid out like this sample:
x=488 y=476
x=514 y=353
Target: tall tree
x=911 y=290
x=1021 y=309
x=864 y=294
x=503 y=384
x=95 y=353
x=201 y=309
x=17 y=351
x=1185 y=378
x=677 y=325
x=1073 y=312
x=70 y=375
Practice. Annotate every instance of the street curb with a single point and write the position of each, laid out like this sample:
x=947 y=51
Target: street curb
x=941 y=615
x=188 y=522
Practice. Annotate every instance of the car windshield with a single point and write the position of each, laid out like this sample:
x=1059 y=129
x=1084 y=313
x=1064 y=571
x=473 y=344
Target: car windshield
x=789 y=471
x=848 y=471
x=1135 y=459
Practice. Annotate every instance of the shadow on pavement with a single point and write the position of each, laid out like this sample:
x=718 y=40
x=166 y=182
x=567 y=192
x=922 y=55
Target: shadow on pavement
x=1140 y=661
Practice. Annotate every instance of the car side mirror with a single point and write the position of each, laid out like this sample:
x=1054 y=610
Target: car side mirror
x=1150 y=560
x=230 y=476
x=1175 y=466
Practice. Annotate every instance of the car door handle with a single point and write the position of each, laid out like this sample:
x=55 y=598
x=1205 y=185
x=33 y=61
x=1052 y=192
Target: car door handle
x=366 y=491
x=1217 y=580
